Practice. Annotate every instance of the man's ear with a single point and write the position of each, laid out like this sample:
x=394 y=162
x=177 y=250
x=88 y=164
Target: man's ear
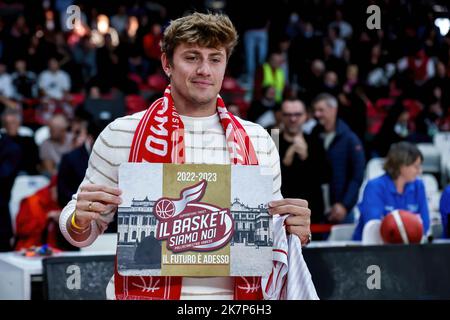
x=166 y=64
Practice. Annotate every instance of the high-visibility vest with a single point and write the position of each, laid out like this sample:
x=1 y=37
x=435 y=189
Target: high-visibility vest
x=274 y=80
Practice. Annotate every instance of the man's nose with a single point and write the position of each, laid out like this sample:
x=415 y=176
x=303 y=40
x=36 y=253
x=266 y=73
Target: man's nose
x=204 y=68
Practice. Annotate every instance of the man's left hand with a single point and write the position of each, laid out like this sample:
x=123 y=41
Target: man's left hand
x=299 y=219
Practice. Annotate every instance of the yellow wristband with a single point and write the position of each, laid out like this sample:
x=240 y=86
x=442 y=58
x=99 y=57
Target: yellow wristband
x=74 y=223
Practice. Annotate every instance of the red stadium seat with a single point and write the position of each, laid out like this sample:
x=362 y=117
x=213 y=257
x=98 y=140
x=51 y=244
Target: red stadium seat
x=135 y=103
x=231 y=86
x=76 y=99
x=414 y=107
x=157 y=82
x=321 y=227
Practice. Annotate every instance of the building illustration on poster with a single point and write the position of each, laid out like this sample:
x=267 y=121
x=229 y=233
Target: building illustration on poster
x=251 y=224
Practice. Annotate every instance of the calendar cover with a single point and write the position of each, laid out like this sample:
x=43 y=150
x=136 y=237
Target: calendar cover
x=194 y=220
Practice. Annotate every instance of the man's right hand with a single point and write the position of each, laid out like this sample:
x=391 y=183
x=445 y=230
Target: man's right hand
x=94 y=200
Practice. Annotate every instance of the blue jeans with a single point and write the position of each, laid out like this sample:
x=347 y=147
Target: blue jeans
x=255 y=39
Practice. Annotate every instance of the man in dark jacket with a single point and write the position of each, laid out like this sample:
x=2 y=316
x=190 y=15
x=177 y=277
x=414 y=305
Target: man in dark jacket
x=10 y=156
x=72 y=169
x=345 y=154
x=12 y=120
x=71 y=172
x=303 y=161
x=74 y=164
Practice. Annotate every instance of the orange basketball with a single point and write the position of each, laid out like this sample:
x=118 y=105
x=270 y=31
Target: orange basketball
x=401 y=226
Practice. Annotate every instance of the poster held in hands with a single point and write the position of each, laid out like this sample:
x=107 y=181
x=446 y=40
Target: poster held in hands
x=194 y=220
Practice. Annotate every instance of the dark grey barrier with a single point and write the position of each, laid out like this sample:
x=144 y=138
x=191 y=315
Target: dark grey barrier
x=381 y=272
x=77 y=277
x=369 y=272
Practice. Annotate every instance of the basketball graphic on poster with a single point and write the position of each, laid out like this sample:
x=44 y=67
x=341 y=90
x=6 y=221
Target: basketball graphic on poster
x=164 y=208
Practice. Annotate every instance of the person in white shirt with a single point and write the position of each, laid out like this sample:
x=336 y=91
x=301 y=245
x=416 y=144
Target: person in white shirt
x=6 y=86
x=345 y=28
x=195 y=65
x=54 y=83
x=59 y=143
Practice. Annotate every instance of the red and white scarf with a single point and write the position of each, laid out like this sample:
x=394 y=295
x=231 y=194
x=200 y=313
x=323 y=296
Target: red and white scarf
x=159 y=138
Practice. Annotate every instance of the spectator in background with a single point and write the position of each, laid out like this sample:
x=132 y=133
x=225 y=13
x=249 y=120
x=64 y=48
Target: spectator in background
x=256 y=39
x=278 y=125
x=74 y=164
x=110 y=66
x=345 y=155
x=137 y=65
x=63 y=53
x=303 y=160
x=374 y=61
x=336 y=42
x=6 y=85
x=54 y=83
x=37 y=54
x=444 y=207
x=85 y=56
x=11 y=121
x=270 y=74
x=351 y=78
x=312 y=80
x=78 y=127
x=10 y=156
x=376 y=72
x=16 y=40
x=119 y=21
x=24 y=82
x=37 y=220
x=332 y=62
x=331 y=83
x=398 y=188
x=310 y=122
x=427 y=122
x=262 y=111
x=353 y=108
x=394 y=129
x=60 y=142
x=419 y=66
x=345 y=29
x=301 y=58
x=152 y=49
x=437 y=87
x=293 y=27
x=284 y=47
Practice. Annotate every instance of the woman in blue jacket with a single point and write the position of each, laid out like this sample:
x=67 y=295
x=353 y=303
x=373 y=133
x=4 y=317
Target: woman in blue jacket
x=444 y=207
x=398 y=188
